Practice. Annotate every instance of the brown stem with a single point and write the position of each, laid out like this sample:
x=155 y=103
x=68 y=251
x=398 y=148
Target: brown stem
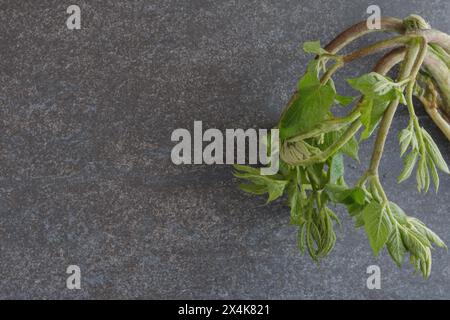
x=360 y=29
x=390 y=60
x=398 y=41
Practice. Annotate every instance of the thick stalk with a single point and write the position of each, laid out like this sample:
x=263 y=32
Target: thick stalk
x=410 y=88
x=399 y=41
x=360 y=29
x=378 y=46
x=391 y=59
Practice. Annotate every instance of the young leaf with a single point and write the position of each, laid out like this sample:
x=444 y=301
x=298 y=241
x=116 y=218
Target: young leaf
x=396 y=247
x=409 y=163
x=253 y=188
x=295 y=202
x=336 y=168
x=312 y=106
x=301 y=238
x=377 y=225
x=351 y=148
x=414 y=240
x=434 y=173
x=434 y=152
x=429 y=234
x=404 y=138
x=313 y=240
x=374 y=85
x=423 y=176
x=344 y=100
x=398 y=213
x=372 y=111
x=313 y=47
x=273 y=185
x=344 y=195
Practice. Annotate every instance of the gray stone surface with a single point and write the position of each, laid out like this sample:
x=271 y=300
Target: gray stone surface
x=85 y=171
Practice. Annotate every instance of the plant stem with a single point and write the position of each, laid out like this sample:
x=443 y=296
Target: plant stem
x=378 y=46
x=389 y=60
x=327 y=76
x=389 y=114
x=374 y=48
x=438 y=119
x=410 y=88
x=360 y=29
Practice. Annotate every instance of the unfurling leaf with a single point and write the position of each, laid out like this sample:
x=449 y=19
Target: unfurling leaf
x=273 y=185
x=377 y=225
x=409 y=163
x=434 y=152
x=395 y=247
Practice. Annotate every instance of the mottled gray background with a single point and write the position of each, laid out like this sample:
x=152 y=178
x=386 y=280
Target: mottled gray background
x=85 y=171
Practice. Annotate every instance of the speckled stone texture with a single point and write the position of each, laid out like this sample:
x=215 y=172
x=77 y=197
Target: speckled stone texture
x=85 y=170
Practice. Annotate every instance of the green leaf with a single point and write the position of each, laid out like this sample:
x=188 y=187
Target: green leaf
x=398 y=213
x=423 y=175
x=434 y=173
x=336 y=168
x=409 y=163
x=312 y=105
x=372 y=111
x=428 y=233
x=434 y=152
x=311 y=76
x=405 y=138
x=273 y=185
x=253 y=188
x=301 y=238
x=295 y=202
x=333 y=216
x=359 y=221
x=313 y=240
x=351 y=148
x=396 y=247
x=313 y=47
x=415 y=242
x=275 y=189
x=344 y=195
x=377 y=225
x=374 y=85
x=344 y=100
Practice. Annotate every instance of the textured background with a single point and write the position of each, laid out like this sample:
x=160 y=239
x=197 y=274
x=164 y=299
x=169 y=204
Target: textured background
x=85 y=171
